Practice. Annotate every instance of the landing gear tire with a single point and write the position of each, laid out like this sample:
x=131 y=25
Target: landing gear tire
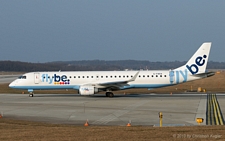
x=109 y=94
x=31 y=95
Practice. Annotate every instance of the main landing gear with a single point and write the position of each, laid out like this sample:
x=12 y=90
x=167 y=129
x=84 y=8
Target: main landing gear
x=109 y=94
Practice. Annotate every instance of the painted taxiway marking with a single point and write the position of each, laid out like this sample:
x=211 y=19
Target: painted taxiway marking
x=115 y=115
x=214 y=114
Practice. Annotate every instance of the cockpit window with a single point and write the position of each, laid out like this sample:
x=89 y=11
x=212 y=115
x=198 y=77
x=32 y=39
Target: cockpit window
x=22 y=77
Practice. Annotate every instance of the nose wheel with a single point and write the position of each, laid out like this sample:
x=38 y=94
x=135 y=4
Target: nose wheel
x=109 y=94
x=31 y=95
x=31 y=91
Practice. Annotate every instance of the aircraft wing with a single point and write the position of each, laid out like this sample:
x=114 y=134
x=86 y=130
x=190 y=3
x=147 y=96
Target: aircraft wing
x=116 y=85
x=119 y=82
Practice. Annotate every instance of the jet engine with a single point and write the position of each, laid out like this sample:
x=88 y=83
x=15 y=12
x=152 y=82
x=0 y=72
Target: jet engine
x=87 y=90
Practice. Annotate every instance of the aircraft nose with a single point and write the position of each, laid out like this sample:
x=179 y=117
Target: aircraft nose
x=12 y=84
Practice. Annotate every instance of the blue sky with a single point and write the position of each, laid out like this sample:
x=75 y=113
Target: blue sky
x=56 y=30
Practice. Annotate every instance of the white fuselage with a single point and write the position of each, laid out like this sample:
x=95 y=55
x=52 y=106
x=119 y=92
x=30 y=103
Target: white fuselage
x=75 y=79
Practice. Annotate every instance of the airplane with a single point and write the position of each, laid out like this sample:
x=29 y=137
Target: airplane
x=92 y=82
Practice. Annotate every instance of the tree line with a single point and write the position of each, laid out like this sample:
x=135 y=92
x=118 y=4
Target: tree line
x=96 y=65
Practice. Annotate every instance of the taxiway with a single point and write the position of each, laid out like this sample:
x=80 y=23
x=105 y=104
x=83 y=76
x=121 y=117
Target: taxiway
x=139 y=109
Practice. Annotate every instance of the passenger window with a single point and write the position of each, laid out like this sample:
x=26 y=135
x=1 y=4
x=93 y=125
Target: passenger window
x=143 y=76
x=87 y=76
x=101 y=76
x=74 y=76
x=78 y=76
x=139 y=76
x=164 y=75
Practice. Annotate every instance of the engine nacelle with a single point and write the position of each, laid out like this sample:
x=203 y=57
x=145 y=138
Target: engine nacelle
x=87 y=90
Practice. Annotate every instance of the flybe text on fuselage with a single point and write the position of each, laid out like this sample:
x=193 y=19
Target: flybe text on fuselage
x=199 y=61
x=184 y=74
x=56 y=79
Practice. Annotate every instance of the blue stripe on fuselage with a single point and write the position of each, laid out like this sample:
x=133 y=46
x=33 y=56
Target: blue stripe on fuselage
x=77 y=86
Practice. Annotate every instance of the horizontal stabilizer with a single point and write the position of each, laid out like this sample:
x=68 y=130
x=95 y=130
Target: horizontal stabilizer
x=206 y=74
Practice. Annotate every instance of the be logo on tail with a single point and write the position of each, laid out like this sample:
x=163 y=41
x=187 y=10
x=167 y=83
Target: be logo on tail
x=199 y=61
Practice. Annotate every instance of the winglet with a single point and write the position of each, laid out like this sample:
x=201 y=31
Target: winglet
x=134 y=77
x=120 y=82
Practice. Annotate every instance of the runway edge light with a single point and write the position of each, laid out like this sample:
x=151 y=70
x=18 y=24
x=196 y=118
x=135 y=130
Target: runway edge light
x=199 y=120
x=86 y=123
x=129 y=123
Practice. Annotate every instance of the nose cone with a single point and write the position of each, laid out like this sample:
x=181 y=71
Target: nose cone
x=12 y=84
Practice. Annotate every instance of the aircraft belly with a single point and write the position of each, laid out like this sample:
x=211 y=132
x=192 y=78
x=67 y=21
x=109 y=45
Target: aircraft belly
x=44 y=87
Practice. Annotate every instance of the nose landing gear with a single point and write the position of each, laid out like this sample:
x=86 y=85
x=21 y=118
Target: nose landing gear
x=31 y=92
x=31 y=95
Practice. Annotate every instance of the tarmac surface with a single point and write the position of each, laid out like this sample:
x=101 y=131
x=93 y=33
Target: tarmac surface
x=139 y=109
x=8 y=78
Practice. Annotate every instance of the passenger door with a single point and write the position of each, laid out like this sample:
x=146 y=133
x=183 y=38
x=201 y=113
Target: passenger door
x=36 y=78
